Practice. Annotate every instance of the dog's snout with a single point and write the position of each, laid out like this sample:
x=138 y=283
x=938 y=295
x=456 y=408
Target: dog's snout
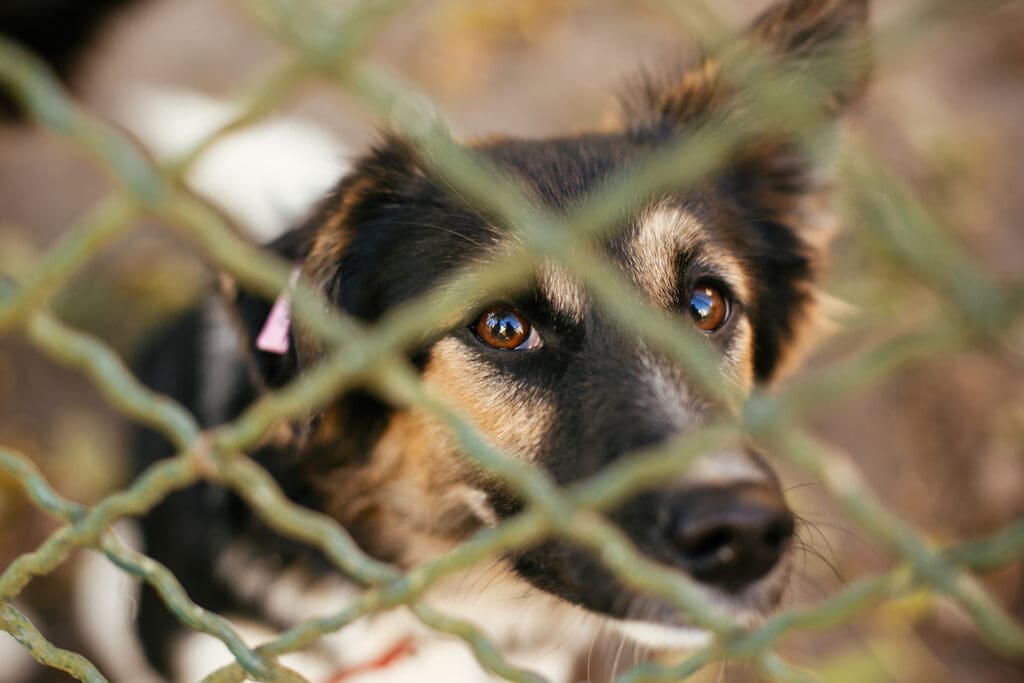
x=729 y=537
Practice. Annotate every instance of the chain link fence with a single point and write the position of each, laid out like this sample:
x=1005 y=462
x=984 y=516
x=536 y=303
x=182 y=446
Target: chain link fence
x=329 y=42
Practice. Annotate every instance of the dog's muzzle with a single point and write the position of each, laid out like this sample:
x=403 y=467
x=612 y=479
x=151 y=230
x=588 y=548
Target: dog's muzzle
x=725 y=536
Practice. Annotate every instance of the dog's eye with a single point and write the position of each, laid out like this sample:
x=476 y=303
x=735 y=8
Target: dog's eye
x=503 y=327
x=709 y=308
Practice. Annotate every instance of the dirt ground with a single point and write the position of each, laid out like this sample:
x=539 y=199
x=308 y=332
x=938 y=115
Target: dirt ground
x=941 y=441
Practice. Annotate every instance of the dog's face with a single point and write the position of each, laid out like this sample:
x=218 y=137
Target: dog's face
x=549 y=377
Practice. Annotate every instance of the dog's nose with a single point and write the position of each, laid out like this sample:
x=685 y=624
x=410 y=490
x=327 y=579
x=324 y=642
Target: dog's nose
x=730 y=537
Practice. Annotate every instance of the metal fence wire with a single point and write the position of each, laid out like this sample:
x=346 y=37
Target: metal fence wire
x=329 y=43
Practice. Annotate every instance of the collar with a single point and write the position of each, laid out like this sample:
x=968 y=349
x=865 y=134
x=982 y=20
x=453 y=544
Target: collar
x=396 y=653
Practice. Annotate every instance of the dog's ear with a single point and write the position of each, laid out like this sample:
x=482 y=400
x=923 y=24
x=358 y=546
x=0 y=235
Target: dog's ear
x=823 y=47
x=823 y=44
x=772 y=185
x=773 y=178
x=824 y=41
x=344 y=270
x=776 y=185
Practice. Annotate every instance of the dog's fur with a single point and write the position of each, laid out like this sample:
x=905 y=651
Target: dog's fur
x=592 y=393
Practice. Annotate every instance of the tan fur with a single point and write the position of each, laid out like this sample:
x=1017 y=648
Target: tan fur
x=564 y=291
x=739 y=361
x=333 y=237
x=695 y=93
x=814 y=323
x=415 y=489
x=415 y=494
x=410 y=500
x=515 y=421
x=326 y=251
x=662 y=234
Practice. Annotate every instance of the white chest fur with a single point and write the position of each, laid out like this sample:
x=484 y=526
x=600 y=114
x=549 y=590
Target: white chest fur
x=532 y=630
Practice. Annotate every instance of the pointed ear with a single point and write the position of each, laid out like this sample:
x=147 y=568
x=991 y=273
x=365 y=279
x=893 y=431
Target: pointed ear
x=389 y=175
x=824 y=43
x=771 y=184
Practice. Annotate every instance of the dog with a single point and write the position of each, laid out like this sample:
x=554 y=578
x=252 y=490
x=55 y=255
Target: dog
x=544 y=374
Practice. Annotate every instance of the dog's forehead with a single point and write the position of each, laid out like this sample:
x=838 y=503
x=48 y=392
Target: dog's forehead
x=562 y=172
x=650 y=247
x=653 y=250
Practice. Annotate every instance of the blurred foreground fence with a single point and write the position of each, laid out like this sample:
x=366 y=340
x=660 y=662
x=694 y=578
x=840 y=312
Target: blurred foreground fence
x=328 y=44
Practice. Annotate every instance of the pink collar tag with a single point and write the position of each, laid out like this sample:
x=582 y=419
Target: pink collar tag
x=273 y=338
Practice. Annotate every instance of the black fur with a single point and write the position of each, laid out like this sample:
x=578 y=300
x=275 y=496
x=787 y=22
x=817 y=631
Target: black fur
x=406 y=231
x=423 y=232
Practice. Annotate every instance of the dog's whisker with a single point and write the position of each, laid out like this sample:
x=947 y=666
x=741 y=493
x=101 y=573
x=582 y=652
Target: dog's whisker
x=815 y=527
x=488 y=576
x=811 y=552
x=863 y=543
x=618 y=653
x=449 y=231
x=801 y=485
x=590 y=650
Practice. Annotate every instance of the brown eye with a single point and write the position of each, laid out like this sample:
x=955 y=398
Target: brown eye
x=503 y=327
x=709 y=308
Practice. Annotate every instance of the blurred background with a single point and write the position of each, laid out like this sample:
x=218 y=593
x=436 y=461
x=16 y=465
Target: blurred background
x=941 y=441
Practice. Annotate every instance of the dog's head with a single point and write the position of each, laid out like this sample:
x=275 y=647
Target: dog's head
x=547 y=376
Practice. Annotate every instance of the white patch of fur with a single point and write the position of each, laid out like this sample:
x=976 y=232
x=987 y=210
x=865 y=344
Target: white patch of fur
x=266 y=177
x=663 y=637
x=534 y=630
x=731 y=467
x=196 y=655
x=478 y=503
x=105 y=600
x=289 y=597
x=513 y=613
x=221 y=366
x=746 y=610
